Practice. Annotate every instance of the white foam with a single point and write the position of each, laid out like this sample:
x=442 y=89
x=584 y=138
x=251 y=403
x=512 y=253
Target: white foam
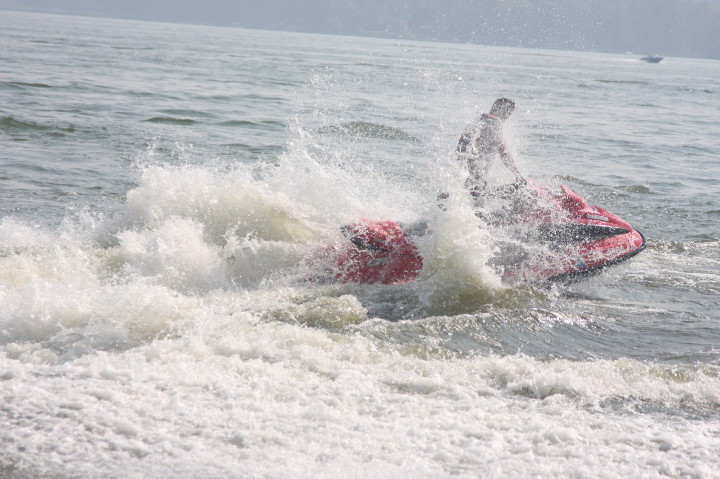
x=272 y=398
x=145 y=357
x=226 y=203
x=176 y=253
x=182 y=345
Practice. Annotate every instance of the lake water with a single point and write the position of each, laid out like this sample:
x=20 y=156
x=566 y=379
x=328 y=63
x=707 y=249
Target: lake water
x=162 y=185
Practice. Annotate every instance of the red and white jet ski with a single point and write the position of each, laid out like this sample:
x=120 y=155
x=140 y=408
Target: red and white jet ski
x=579 y=239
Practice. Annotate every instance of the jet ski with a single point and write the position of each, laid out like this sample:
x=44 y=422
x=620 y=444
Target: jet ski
x=559 y=236
x=551 y=237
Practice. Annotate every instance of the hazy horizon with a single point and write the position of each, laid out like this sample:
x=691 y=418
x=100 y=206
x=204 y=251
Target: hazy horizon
x=682 y=28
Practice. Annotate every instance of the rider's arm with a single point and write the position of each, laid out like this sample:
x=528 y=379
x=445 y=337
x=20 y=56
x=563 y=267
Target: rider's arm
x=509 y=162
x=463 y=145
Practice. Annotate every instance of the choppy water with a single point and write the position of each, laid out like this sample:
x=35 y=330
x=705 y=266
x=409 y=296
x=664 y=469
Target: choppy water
x=160 y=186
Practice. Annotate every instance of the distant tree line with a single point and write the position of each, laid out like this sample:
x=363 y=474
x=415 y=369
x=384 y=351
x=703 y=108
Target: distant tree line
x=668 y=27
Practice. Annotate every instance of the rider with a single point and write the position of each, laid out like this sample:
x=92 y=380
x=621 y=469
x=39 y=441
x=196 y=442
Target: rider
x=482 y=143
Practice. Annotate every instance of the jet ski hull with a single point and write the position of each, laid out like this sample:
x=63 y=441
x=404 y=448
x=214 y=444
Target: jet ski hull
x=583 y=240
x=580 y=239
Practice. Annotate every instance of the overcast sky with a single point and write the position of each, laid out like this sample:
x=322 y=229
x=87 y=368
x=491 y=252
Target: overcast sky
x=669 y=27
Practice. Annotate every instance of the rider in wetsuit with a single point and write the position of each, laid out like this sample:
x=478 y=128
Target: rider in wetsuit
x=482 y=143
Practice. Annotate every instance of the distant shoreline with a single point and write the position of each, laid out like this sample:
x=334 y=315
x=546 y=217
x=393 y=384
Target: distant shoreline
x=409 y=35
